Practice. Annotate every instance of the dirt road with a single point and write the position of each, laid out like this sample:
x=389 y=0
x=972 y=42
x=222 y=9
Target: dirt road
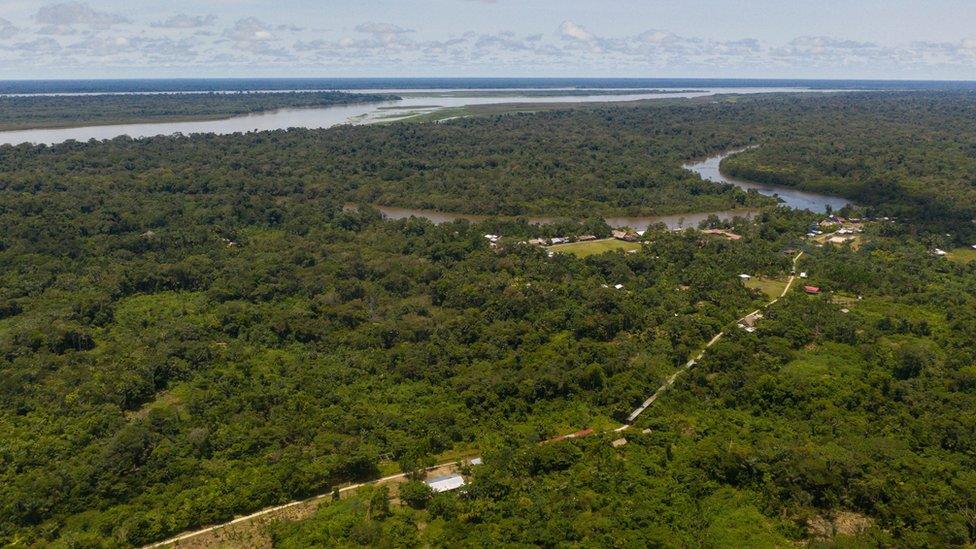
x=674 y=377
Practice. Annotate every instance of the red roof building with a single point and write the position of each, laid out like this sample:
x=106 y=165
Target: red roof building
x=811 y=290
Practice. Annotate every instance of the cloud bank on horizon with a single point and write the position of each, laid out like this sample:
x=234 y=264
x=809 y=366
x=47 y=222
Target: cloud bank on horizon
x=250 y=37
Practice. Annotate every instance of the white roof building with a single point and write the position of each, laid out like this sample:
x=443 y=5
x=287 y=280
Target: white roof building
x=476 y=461
x=446 y=483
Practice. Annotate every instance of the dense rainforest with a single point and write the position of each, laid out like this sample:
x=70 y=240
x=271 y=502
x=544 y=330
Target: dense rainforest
x=193 y=328
x=842 y=422
x=906 y=154
x=49 y=111
x=622 y=161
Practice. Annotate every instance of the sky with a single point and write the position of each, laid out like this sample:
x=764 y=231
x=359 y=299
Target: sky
x=883 y=39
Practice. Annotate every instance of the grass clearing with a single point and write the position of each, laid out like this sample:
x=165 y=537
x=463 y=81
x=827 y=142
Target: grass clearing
x=594 y=247
x=962 y=255
x=773 y=288
x=828 y=361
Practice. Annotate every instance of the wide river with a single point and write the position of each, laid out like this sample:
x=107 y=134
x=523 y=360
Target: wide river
x=425 y=101
x=413 y=102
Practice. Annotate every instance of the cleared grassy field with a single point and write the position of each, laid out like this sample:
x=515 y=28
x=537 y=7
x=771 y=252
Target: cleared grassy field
x=831 y=361
x=594 y=247
x=962 y=255
x=772 y=288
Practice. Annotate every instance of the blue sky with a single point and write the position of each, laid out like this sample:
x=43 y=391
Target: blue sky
x=932 y=39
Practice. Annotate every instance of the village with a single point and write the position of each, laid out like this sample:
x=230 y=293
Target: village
x=831 y=230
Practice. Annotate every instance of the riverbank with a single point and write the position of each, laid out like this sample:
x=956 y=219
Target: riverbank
x=710 y=169
x=63 y=112
x=640 y=223
x=707 y=168
x=419 y=105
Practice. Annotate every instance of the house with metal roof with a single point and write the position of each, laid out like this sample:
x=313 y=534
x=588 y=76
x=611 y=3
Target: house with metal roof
x=445 y=483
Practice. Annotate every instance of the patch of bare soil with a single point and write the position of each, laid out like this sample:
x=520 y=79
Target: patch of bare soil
x=840 y=523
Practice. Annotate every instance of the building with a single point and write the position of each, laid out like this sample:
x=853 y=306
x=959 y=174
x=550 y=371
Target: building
x=724 y=234
x=744 y=276
x=538 y=242
x=619 y=442
x=445 y=483
x=812 y=290
x=749 y=322
x=476 y=461
x=752 y=319
x=586 y=238
x=559 y=240
x=625 y=235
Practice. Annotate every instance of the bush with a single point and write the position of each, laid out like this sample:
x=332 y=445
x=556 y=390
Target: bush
x=415 y=493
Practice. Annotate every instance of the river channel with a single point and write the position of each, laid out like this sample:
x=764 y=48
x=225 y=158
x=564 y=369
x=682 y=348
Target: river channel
x=413 y=102
x=707 y=168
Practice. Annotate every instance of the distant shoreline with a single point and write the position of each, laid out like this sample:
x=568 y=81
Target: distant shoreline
x=51 y=112
x=79 y=86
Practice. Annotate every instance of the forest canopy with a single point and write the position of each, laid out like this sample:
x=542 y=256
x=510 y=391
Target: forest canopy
x=906 y=155
x=194 y=328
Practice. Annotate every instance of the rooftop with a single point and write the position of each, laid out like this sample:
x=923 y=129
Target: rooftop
x=445 y=483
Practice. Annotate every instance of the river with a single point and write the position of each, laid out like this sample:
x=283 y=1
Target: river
x=640 y=223
x=800 y=200
x=707 y=168
x=413 y=102
x=424 y=101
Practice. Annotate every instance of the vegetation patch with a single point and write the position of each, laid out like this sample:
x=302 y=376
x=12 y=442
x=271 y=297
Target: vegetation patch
x=963 y=255
x=771 y=288
x=594 y=247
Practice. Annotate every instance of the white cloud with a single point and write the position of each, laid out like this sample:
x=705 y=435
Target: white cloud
x=183 y=21
x=381 y=28
x=254 y=40
x=80 y=37
x=574 y=31
x=249 y=30
x=7 y=29
x=656 y=37
x=65 y=17
x=37 y=47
